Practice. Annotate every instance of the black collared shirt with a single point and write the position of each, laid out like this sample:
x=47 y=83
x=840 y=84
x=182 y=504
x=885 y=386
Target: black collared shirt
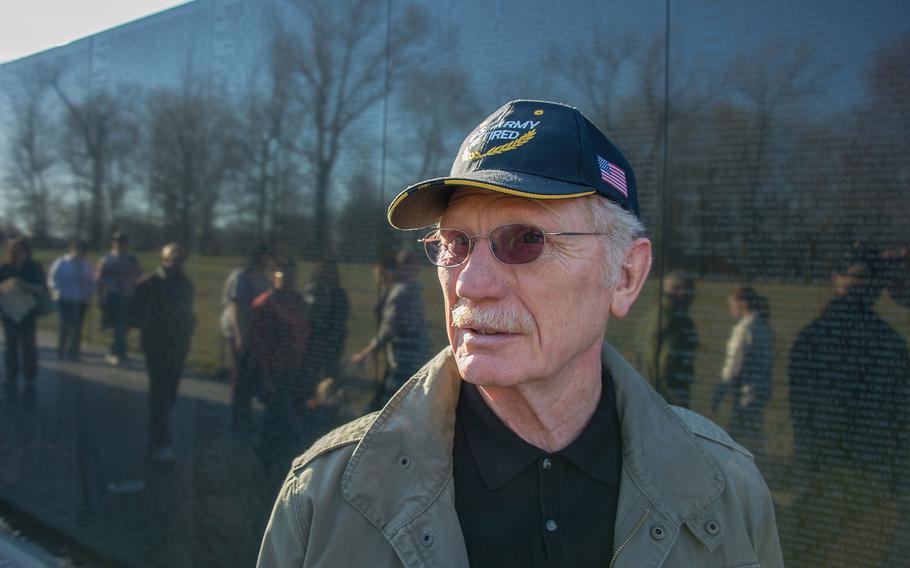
x=520 y=506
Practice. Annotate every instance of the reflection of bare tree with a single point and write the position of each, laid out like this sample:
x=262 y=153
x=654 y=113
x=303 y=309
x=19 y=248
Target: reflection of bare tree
x=339 y=59
x=762 y=87
x=98 y=141
x=270 y=127
x=881 y=131
x=620 y=82
x=593 y=69
x=193 y=156
x=31 y=150
x=442 y=108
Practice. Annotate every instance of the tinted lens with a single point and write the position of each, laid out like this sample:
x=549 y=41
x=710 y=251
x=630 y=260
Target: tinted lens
x=447 y=247
x=517 y=244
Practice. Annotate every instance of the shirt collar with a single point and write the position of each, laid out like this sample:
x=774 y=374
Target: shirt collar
x=500 y=454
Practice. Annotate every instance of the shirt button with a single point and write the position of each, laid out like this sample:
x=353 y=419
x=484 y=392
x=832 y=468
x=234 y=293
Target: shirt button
x=551 y=525
x=546 y=463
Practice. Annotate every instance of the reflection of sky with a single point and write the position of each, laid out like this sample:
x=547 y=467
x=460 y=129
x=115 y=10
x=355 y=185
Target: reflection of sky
x=505 y=48
x=842 y=36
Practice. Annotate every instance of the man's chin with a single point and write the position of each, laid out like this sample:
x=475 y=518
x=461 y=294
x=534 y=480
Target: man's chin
x=486 y=369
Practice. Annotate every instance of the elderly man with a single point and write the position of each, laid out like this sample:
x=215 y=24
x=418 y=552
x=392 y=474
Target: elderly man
x=528 y=442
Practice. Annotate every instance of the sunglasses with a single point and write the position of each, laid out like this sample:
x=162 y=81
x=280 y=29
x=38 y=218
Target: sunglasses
x=514 y=243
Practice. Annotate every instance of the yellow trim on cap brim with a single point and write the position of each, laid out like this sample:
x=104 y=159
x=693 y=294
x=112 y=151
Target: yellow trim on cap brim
x=481 y=185
x=501 y=189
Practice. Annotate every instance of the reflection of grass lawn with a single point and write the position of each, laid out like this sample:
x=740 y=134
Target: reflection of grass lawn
x=792 y=307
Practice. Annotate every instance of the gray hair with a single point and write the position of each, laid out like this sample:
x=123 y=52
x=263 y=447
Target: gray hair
x=620 y=228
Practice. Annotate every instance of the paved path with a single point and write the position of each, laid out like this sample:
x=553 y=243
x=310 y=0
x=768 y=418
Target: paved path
x=75 y=458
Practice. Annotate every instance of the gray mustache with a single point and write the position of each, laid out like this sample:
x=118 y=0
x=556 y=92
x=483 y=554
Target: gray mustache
x=506 y=320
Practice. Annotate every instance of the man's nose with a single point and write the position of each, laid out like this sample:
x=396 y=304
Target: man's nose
x=481 y=276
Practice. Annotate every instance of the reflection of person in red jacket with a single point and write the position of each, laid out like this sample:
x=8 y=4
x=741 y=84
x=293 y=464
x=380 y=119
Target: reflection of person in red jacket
x=277 y=358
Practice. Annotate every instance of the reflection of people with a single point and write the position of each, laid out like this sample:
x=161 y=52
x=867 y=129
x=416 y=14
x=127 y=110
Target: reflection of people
x=529 y=441
x=898 y=279
x=849 y=373
x=402 y=325
x=671 y=340
x=70 y=280
x=116 y=275
x=163 y=311
x=21 y=281
x=242 y=286
x=277 y=358
x=748 y=367
x=327 y=312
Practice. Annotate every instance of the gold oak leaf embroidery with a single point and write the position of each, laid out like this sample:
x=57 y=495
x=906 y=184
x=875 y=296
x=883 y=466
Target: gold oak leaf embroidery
x=518 y=142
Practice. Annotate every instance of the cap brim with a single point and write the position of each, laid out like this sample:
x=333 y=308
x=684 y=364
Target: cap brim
x=422 y=204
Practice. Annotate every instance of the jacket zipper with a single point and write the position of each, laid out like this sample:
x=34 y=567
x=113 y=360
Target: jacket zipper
x=622 y=545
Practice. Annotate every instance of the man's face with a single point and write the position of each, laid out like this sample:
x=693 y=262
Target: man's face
x=284 y=279
x=678 y=292
x=173 y=258
x=561 y=295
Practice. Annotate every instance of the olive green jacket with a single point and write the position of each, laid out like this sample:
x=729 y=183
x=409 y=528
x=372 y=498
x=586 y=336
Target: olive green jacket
x=378 y=491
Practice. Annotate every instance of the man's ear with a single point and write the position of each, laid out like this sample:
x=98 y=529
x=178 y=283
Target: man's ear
x=635 y=268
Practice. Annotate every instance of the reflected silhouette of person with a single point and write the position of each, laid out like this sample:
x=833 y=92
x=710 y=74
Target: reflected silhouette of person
x=328 y=309
x=21 y=284
x=402 y=325
x=671 y=340
x=70 y=280
x=116 y=276
x=277 y=361
x=748 y=367
x=849 y=407
x=163 y=312
x=242 y=287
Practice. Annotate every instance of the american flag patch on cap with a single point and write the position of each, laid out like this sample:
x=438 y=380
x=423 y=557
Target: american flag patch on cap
x=613 y=175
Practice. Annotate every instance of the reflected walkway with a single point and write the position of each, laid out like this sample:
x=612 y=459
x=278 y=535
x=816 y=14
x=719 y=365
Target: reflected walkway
x=75 y=458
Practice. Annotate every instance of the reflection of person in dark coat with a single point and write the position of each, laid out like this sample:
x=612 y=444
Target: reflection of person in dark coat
x=163 y=311
x=327 y=313
x=849 y=399
x=21 y=341
x=671 y=340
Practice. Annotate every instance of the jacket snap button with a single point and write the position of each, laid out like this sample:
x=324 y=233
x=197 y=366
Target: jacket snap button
x=712 y=527
x=657 y=532
x=404 y=461
x=426 y=537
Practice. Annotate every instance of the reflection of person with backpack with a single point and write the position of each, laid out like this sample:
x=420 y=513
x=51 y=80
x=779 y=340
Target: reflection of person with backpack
x=22 y=280
x=241 y=288
x=748 y=367
x=402 y=325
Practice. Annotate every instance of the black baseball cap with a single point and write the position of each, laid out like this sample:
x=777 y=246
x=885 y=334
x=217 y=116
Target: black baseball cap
x=534 y=149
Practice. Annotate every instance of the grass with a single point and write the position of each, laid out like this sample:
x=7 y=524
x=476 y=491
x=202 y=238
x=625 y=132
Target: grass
x=792 y=306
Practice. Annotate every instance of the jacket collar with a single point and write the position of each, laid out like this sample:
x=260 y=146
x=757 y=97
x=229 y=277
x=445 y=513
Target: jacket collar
x=404 y=461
